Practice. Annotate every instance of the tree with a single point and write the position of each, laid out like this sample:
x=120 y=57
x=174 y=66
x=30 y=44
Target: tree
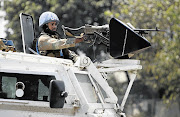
x=161 y=65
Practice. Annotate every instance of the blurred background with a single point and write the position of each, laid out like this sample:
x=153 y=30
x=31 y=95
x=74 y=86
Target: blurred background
x=156 y=90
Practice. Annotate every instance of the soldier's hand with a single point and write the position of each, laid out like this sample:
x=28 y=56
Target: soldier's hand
x=78 y=40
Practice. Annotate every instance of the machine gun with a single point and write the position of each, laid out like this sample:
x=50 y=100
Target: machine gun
x=91 y=34
x=101 y=33
x=116 y=39
x=96 y=40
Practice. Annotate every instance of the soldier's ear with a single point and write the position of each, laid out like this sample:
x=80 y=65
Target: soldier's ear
x=45 y=27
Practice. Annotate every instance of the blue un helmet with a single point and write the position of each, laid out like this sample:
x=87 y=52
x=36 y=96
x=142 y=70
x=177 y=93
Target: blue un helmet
x=47 y=17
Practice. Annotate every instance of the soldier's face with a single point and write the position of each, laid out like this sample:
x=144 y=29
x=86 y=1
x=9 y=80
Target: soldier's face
x=52 y=26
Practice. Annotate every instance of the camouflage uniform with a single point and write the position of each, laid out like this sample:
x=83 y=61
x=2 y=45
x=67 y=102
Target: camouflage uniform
x=51 y=45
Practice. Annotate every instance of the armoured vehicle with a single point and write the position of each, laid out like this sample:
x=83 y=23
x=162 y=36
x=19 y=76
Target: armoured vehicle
x=32 y=85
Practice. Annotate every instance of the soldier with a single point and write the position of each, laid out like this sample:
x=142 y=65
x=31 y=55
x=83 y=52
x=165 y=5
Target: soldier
x=49 y=42
x=7 y=45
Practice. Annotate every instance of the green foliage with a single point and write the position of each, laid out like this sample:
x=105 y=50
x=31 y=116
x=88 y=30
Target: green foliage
x=161 y=64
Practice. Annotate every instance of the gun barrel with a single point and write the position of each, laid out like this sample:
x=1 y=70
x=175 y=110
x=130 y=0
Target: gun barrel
x=147 y=29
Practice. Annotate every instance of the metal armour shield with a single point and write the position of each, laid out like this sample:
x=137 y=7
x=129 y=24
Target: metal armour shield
x=27 y=29
x=124 y=40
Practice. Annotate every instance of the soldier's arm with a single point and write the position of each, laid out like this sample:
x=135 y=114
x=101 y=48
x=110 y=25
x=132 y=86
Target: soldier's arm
x=45 y=42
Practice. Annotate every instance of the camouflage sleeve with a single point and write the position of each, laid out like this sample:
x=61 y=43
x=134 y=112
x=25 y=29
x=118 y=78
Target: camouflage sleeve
x=46 y=42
